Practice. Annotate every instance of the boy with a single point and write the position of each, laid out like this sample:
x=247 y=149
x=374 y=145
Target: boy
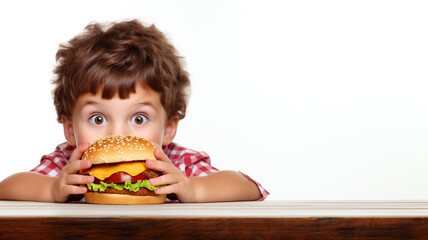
x=124 y=79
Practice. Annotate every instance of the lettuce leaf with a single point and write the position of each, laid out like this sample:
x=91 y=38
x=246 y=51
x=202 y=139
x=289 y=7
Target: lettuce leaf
x=102 y=186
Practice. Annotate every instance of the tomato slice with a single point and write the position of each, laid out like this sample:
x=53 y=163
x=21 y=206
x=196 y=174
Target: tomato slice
x=121 y=177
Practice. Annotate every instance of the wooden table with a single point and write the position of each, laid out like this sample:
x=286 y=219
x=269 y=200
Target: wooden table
x=232 y=220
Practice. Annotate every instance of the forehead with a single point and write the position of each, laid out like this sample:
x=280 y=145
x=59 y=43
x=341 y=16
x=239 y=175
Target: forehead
x=143 y=93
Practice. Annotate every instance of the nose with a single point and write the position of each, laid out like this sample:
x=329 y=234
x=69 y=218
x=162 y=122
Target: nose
x=118 y=129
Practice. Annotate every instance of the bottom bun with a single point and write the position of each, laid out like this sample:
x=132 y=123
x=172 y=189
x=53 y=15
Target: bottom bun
x=106 y=198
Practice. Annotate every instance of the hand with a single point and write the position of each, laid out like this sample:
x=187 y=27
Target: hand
x=66 y=182
x=176 y=182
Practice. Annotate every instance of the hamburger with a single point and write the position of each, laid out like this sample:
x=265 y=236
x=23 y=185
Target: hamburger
x=121 y=176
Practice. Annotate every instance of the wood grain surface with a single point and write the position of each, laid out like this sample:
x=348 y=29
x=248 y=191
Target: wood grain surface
x=214 y=228
x=238 y=220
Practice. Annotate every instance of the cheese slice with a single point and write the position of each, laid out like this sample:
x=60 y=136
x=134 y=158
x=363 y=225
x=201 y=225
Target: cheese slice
x=104 y=171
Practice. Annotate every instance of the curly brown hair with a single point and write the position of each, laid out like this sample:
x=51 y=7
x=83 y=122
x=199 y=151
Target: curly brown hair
x=114 y=57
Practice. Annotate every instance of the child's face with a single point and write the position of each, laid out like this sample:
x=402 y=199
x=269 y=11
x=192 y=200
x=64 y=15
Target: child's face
x=142 y=114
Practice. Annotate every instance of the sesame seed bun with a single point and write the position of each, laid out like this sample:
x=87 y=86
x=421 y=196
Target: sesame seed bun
x=113 y=149
x=104 y=198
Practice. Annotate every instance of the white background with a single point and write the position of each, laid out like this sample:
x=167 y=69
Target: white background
x=316 y=100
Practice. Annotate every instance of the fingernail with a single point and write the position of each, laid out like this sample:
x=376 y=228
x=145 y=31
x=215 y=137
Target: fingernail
x=152 y=182
x=88 y=163
x=83 y=190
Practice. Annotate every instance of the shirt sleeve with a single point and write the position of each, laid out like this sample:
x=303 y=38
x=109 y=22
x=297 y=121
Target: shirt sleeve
x=198 y=164
x=263 y=192
x=51 y=164
x=191 y=163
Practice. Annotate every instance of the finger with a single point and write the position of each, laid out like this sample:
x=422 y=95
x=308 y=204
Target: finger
x=167 y=189
x=70 y=189
x=161 y=166
x=164 y=180
x=76 y=166
x=78 y=152
x=75 y=179
x=160 y=155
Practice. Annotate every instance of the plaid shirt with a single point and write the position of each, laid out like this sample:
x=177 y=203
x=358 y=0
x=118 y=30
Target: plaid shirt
x=191 y=163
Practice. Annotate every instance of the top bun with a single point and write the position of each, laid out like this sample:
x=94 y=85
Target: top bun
x=113 y=149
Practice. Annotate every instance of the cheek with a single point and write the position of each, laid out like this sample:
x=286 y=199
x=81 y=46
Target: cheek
x=81 y=139
x=154 y=134
x=84 y=134
x=154 y=138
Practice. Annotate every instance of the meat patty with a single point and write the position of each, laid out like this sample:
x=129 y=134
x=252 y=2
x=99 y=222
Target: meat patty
x=141 y=192
x=151 y=173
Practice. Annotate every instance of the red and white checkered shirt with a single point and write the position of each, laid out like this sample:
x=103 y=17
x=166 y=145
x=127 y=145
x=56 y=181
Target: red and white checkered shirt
x=191 y=163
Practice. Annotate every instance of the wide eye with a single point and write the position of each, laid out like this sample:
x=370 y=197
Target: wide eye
x=139 y=119
x=97 y=119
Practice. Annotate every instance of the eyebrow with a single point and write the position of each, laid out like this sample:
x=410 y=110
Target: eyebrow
x=146 y=103
x=142 y=103
x=89 y=102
